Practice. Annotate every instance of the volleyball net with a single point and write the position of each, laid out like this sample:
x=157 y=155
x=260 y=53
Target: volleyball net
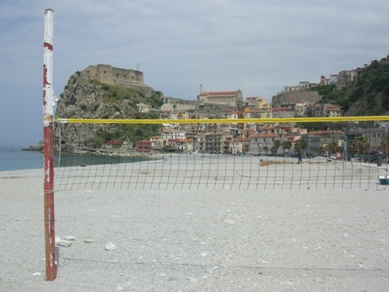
x=217 y=154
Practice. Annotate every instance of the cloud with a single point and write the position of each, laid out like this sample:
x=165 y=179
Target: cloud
x=257 y=47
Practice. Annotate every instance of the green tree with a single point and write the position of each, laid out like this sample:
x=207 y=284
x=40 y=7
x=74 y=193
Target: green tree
x=385 y=145
x=286 y=145
x=273 y=149
x=361 y=144
x=301 y=145
x=277 y=144
x=320 y=150
x=332 y=147
x=312 y=126
x=166 y=148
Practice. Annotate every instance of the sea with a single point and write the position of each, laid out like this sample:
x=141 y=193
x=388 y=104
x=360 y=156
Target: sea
x=13 y=158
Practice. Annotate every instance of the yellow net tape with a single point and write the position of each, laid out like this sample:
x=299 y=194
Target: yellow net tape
x=221 y=121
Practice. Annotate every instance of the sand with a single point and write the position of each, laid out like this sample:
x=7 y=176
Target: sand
x=191 y=240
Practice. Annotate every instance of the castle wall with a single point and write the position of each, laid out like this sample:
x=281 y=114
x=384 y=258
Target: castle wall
x=112 y=75
x=124 y=75
x=294 y=97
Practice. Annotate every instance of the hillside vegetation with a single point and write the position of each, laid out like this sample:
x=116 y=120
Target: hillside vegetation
x=368 y=95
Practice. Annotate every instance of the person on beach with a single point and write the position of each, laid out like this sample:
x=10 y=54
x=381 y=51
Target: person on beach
x=299 y=157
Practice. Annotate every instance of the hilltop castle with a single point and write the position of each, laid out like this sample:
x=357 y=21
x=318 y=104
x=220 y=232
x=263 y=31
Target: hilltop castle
x=112 y=76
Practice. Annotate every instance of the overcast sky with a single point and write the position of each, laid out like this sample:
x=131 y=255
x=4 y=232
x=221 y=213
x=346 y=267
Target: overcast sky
x=255 y=46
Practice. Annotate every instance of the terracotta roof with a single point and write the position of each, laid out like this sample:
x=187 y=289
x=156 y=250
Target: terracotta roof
x=114 y=142
x=264 y=135
x=324 y=132
x=219 y=93
x=282 y=109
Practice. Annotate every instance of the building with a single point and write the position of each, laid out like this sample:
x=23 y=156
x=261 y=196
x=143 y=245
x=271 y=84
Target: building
x=113 y=144
x=143 y=108
x=262 y=143
x=345 y=78
x=156 y=141
x=283 y=113
x=325 y=110
x=143 y=146
x=256 y=102
x=318 y=139
x=225 y=98
x=213 y=143
x=236 y=147
x=300 y=109
x=332 y=111
x=374 y=136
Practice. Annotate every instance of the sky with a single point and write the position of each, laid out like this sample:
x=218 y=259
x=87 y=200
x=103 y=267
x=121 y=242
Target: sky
x=255 y=46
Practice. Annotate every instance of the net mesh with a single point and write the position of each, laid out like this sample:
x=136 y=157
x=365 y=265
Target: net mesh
x=331 y=159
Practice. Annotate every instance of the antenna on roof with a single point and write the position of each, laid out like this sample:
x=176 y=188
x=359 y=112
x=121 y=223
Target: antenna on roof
x=137 y=66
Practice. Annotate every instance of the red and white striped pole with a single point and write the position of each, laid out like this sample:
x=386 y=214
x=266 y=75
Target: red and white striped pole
x=48 y=147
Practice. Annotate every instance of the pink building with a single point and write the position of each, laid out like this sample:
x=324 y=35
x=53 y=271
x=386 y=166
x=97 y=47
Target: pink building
x=143 y=146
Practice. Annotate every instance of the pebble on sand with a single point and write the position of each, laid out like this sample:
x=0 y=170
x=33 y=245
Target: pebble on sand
x=110 y=246
x=64 y=243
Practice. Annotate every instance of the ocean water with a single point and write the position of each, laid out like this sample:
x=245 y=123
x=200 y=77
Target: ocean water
x=13 y=158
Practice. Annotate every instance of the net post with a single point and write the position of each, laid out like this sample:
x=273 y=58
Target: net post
x=48 y=148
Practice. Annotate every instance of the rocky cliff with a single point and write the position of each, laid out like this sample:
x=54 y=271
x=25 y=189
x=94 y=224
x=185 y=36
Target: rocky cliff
x=89 y=99
x=369 y=94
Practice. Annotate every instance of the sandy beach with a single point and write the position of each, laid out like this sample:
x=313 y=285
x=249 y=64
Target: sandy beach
x=191 y=240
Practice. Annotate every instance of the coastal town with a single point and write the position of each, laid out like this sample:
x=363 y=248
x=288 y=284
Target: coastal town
x=255 y=138
x=267 y=138
x=210 y=135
